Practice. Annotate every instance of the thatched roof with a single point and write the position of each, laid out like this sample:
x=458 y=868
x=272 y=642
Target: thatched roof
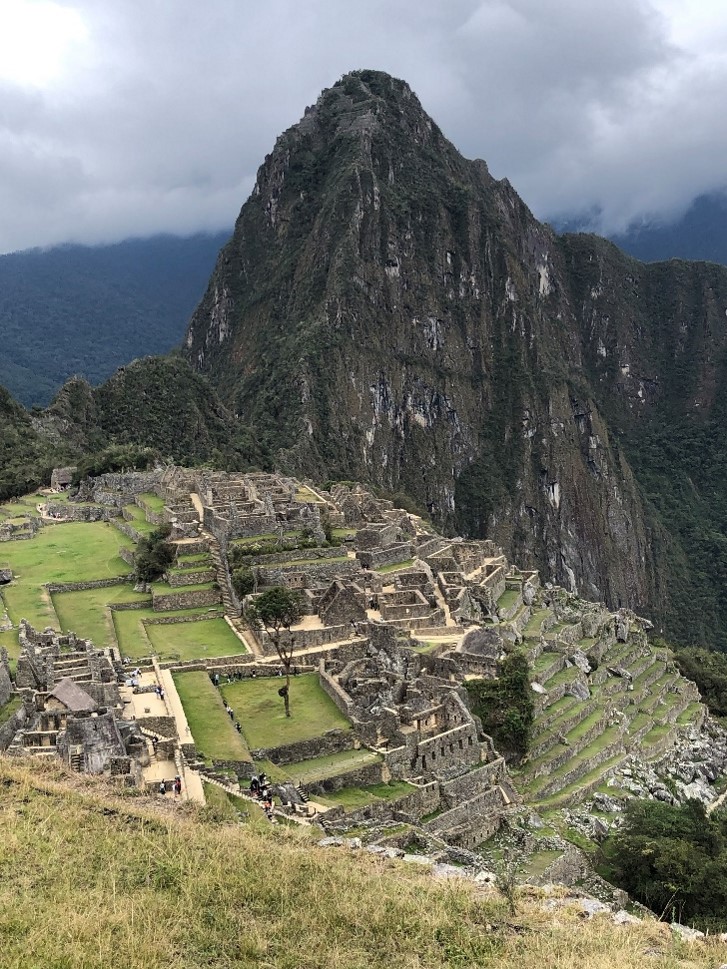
x=73 y=697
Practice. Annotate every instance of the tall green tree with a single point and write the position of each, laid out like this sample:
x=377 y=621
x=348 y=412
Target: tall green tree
x=276 y=611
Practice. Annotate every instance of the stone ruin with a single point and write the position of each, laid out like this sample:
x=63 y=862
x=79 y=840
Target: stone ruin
x=70 y=704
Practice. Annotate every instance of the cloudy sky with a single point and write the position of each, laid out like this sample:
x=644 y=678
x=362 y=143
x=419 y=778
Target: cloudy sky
x=129 y=117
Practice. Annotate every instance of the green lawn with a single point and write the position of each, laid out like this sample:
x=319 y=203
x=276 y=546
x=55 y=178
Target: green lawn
x=260 y=710
x=86 y=612
x=330 y=765
x=73 y=552
x=194 y=640
x=9 y=639
x=352 y=798
x=153 y=502
x=395 y=567
x=131 y=631
x=214 y=734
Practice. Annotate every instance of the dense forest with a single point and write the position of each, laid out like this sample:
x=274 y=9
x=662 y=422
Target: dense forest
x=88 y=310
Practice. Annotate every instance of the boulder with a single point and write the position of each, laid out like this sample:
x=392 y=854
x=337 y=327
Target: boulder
x=579 y=690
x=580 y=660
x=622 y=917
x=537 y=688
x=688 y=934
x=6 y=576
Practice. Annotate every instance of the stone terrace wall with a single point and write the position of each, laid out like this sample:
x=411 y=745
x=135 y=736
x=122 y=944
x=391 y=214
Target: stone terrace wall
x=359 y=777
x=316 y=574
x=180 y=579
x=11 y=727
x=186 y=600
x=89 y=584
x=80 y=512
x=332 y=742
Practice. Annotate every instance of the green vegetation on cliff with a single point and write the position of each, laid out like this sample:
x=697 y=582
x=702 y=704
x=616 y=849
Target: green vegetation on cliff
x=505 y=705
x=674 y=860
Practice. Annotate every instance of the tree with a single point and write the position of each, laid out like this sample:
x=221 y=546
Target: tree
x=275 y=611
x=243 y=581
x=153 y=555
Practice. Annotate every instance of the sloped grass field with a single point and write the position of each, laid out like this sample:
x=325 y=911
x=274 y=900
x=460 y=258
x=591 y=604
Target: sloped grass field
x=86 y=612
x=92 y=880
x=72 y=552
x=194 y=640
x=214 y=734
x=262 y=715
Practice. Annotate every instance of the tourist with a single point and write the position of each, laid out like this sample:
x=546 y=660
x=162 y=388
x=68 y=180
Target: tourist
x=254 y=786
x=177 y=785
x=238 y=728
x=162 y=788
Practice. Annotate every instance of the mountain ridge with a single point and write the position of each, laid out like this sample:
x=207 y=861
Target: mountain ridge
x=386 y=310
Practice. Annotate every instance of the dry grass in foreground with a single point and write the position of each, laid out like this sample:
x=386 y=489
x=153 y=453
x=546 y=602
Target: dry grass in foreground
x=91 y=878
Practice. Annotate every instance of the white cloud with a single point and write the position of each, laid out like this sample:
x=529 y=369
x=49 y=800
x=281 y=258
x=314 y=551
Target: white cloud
x=155 y=116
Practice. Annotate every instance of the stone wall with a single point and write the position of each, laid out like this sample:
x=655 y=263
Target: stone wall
x=164 y=726
x=306 y=575
x=127 y=554
x=332 y=742
x=6 y=684
x=11 y=727
x=180 y=579
x=377 y=558
x=89 y=584
x=173 y=620
x=336 y=692
x=186 y=600
x=422 y=800
x=71 y=512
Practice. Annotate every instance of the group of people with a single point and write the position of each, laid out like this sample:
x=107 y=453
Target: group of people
x=175 y=785
x=260 y=789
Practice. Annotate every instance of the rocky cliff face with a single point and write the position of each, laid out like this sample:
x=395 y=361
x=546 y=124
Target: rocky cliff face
x=386 y=310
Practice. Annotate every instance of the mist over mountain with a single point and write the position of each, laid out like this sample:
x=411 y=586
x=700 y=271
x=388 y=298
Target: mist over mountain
x=87 y=310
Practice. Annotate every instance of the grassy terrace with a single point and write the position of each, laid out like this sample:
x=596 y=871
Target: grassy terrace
x=9 y=709
x=194 y=640
x=72 y=552
x=139 y=521
x=194 y=558
x=396 y=567
x=305 y=494
x=214 y=733
x=86 y=612
x=131 y=632
x=608 y=736
x=508 y=599
x=353 y=798
x=330 y=765
x=260 y=710
x=153 y=502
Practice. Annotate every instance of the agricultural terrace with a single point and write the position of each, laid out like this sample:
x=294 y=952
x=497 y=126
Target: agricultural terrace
x=262 y=716
x=212 y=729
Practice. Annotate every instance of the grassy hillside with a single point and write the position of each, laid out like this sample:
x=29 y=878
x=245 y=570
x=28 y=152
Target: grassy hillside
x=95 y=879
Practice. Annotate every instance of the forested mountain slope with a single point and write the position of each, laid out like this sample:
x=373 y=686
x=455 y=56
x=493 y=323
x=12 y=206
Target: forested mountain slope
x=88 y=310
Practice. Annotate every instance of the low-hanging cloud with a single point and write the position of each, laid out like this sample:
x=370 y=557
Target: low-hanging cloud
x=163 y=111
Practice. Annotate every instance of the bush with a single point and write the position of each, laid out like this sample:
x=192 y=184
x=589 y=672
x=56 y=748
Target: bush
x=153 y=555
x=505 y=706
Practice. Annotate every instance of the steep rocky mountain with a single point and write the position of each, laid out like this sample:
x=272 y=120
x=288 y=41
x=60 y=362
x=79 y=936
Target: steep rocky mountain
x=386 y=310
x=90 y=309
